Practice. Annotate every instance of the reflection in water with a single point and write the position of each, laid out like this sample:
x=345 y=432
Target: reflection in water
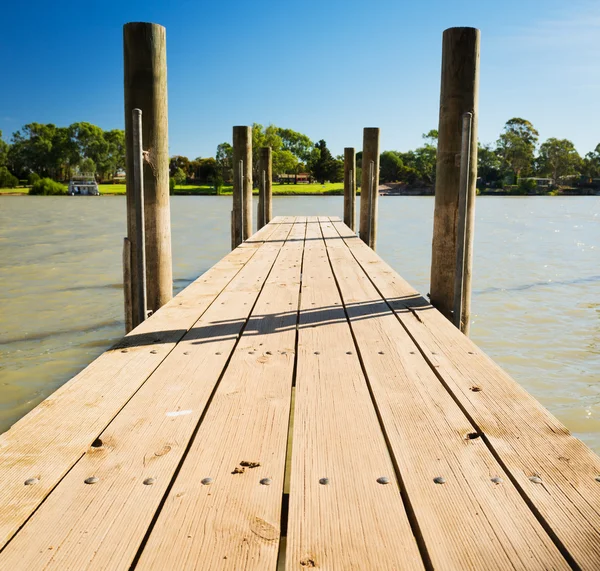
x=536 y=309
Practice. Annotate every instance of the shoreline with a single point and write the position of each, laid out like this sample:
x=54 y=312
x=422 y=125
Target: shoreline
x=407 y=193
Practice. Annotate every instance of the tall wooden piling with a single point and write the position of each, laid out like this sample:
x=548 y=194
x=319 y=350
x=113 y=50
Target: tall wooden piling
x=265 y=185
x=459 y=94
x=242 y=184
x=145 y=83
x=350 y=187
x=369 y=189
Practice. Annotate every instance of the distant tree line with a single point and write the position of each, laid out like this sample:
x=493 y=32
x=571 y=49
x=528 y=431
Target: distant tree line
x=44 y=150
x=516 y=156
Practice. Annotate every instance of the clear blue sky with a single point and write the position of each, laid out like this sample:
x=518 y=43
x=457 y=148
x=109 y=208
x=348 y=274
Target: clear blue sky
x=326 y=68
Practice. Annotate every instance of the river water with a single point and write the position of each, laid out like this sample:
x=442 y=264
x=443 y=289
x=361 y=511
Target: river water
x=536 y=302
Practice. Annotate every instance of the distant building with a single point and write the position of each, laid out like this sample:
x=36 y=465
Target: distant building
x=302 y=177
x=541 y=183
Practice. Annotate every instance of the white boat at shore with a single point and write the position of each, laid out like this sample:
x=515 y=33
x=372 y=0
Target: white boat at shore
x=83 y=184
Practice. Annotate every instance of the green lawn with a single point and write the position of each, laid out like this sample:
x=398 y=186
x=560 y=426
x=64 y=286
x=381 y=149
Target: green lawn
x=278 y=189
x=18 y=190
x=189 y=189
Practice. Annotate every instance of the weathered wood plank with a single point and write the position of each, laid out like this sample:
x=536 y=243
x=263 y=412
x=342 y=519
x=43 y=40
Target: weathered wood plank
x=101 y=526
x=234 y=522
x=48 y=441
x=352 y=521
x=467 y=521
x=527 y=439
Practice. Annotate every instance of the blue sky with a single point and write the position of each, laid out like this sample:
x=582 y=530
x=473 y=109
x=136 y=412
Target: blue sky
x=326 y=68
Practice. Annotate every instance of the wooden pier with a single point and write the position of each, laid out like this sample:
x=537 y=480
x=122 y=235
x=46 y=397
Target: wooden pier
x=298 y=405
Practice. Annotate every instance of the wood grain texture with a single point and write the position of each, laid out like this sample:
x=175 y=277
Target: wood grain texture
x=369 y=189
x=526 y=439
x=234 y=523
x=145 y=88
x=48 y=441
x=459 y=94
x=101 y=526
x=242 y=185
x=352 y=522
x=427 y=444
x=203 y=389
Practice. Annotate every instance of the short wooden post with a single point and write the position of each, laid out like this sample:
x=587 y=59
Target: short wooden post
x=350 y=188
x=265 y=195
x=127 y=285
x=145 y=83
x=369 y=189
x=242 y=184
x=459 y=94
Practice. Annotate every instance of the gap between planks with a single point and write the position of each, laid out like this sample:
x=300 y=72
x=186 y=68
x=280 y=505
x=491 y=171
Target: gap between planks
x=234 y=521
x=47 y=442
x=529 y=443
x=340 y=516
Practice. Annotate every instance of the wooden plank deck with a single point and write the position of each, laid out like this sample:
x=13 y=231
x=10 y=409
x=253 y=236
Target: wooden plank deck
x=301 y=357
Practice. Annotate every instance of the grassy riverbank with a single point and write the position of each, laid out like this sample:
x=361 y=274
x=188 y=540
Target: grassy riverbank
x=278 y=189
x=203 y=190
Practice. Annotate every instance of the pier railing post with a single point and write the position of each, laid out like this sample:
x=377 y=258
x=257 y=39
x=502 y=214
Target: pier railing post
x=464 y=242
x=127 y=285
x=458 y=95
x=242 y=184
x=350 y=188
x=265 y=195
x=141 y=308
x=145 y=87
x=369 y=190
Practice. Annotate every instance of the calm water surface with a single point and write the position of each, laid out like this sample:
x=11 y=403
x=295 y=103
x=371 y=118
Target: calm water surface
x=536 y=302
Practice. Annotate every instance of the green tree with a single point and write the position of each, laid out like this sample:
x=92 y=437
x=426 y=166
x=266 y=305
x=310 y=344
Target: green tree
x=47 y=187
x=3 y=151
x=489 y=166
x=30 y=149
x=391 y=167
x=284 y=161
x=516 y=146
x=591 y=163
x=323 y=166
x=43 y=148
x=425 y=164
x=179 y=176
x=205 y=169
x=297 y=143
x=115 y=158
x=87 y=165
x=431 y=137
x=180 y=162
x=224 y=158
x=558 y=158
x=91 y=142
x=264 y=137
x=7 y=180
